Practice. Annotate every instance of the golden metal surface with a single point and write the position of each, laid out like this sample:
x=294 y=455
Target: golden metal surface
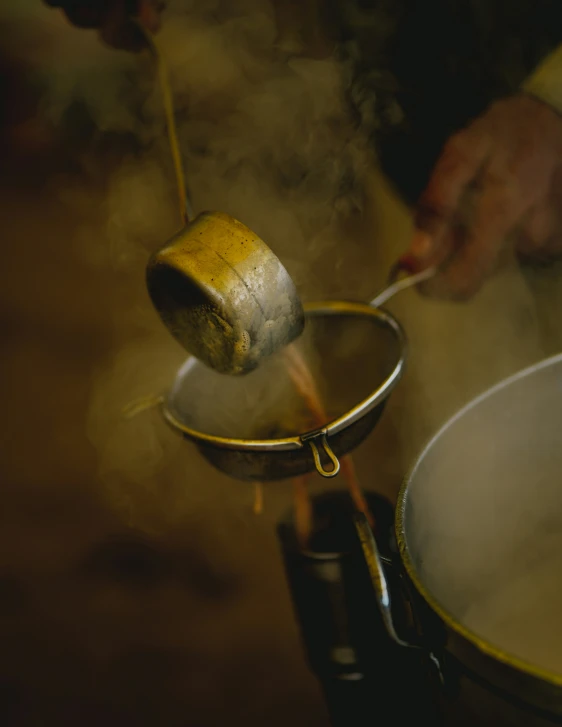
x=224 y=295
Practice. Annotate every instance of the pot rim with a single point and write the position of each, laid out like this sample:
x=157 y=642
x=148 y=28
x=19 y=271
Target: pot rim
x=317 y=308
x=484 y=646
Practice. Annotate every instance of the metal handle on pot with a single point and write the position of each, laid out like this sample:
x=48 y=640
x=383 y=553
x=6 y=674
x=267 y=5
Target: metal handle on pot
x=374 y=565
x=311 y=439
x=378 y=578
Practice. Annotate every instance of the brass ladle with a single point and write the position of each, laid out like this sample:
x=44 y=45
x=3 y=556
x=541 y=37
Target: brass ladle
x=218 y=288
x=224 y=295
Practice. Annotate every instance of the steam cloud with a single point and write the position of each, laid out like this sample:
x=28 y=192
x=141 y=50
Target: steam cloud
x=267 y=136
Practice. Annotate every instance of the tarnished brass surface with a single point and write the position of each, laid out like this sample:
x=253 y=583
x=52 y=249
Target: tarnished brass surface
x=224 y=295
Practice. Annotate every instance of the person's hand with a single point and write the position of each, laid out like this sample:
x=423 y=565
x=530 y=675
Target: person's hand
x=508 y=165
x=116 y=20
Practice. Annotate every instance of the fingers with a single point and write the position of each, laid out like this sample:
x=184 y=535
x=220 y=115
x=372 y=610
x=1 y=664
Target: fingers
x=438 y=209
x=496 y=213
x=509 y=161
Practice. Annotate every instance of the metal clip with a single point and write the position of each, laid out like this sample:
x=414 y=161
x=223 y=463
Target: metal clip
x=321 y=435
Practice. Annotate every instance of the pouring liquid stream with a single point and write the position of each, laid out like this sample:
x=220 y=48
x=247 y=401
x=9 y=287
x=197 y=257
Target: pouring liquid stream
x=305 y=385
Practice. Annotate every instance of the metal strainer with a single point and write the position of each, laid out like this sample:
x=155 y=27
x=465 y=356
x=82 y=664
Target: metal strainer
x=256 y=427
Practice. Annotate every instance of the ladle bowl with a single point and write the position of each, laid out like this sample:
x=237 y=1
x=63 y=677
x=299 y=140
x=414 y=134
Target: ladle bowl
x=256 y=427
x=223 y=294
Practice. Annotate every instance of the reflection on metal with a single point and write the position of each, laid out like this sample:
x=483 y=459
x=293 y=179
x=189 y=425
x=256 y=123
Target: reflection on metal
x=311 y=440
x=378 y=578
x=219 y=289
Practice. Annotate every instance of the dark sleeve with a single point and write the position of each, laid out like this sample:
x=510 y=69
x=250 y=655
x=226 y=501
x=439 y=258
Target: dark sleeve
x=89 y=13
x=422 y=70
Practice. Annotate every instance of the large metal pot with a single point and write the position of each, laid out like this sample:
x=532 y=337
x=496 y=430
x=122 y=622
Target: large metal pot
x=479 y=529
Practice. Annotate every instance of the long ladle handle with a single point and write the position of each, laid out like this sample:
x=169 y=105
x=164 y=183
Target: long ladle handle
x=396 y=285
x=186 y=210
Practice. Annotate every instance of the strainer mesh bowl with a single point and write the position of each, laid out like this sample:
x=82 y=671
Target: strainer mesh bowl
x=355 y=354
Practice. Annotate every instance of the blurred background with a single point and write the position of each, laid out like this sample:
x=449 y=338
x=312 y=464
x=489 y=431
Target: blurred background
x=136 y=584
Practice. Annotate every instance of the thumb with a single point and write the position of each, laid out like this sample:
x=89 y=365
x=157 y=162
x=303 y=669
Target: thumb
x=422 y=249
x=435 y=249
x=425 y=251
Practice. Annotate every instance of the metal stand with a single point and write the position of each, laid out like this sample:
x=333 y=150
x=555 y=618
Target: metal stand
x=366 y=677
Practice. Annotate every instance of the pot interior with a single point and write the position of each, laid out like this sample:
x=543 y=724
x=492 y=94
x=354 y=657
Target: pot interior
x=348 y=349
x=482 y=516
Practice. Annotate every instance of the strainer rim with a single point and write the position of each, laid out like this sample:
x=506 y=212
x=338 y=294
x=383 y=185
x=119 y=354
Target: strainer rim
x=329 y=307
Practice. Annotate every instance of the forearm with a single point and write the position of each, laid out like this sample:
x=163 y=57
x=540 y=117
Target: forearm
x=546 y=81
